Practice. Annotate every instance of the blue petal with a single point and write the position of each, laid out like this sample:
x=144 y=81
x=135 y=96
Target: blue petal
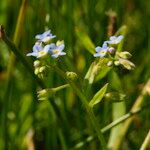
x=62 y=53
x=37 y=48
x=46 y=33
x=119 y=38
x=39 y=36
x=35 y=54
x=43 y=35
x=112 y=38
x=97 y=55
x=46 y=48
x=55 y=55
x=98 y=49
x=61 y=47
x=105 y=43
x=104 y=46
x=52 y=36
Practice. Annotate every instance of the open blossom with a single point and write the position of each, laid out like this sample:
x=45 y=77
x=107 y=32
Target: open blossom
x=115 y=39
x=39 y=50
x=57 y=49
x=101 y=51
x=45 y=37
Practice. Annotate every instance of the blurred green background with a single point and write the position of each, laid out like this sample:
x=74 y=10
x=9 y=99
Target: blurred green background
x=25 y=122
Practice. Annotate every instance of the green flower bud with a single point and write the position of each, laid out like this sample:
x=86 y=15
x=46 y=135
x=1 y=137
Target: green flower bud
x=59 y=42
x=42 y=69
x=36 y=71
x=124 y=55
x=110 y=63
x=71 y=75
x=45 y=93
x=40 y=75
x=37 y=63
x=127 y=64
x=117 y=63
x=115 y=96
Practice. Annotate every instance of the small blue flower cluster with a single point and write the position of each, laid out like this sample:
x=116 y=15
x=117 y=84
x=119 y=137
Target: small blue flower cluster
x=108 y=49
x=107 y=46
x=43 y=46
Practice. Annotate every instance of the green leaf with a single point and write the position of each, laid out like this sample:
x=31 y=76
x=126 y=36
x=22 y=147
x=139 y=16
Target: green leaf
x=98 y=96
x=102 y=70
x=85 y=40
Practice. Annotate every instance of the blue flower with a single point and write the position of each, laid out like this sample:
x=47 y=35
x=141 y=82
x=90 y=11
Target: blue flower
x=45 y=37
x=39 y=50
x=57 y=50
x=101 y=51
x=115 y=39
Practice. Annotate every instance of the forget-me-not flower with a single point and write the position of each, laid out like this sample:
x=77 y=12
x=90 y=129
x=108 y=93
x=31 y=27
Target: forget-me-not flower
x=115 y=39
x=45 y=37
x=39 y=50
x=101 y=51
x=57 y=50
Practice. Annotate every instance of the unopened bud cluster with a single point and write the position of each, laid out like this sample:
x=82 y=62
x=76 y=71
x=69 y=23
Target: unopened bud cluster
x=121 y=58
x=40 y=68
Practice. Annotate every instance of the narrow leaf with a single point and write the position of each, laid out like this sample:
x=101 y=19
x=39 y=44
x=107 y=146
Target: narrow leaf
x=85 y=40
x=98 y=96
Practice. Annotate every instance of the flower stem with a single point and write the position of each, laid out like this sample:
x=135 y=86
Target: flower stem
x=61 y=87
x=111 y=125
x=85 y=104
x=127 y=123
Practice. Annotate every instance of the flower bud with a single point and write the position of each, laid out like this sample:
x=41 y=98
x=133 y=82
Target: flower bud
x=40 y=75
x=71 y=75
x=58 y=43
x=42 y=69
x=36 y=71
x=124 y=55
x=111 y=50
x=110 y=63
x=45 y=93
x=117 y=63
x=115 y=96
x=37 y=63
x=127 y=64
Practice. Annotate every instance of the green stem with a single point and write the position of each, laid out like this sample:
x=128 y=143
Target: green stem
x=15 y=50
x=146 y=142
x=85 y=104
x=111 y=125
x=118 y=109
x=61 y=87
x=10 y=67
x=127 y=123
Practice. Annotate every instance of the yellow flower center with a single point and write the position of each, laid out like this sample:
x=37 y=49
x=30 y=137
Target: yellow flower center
x=42 y=53
x=103 y=52
x=56 y=51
